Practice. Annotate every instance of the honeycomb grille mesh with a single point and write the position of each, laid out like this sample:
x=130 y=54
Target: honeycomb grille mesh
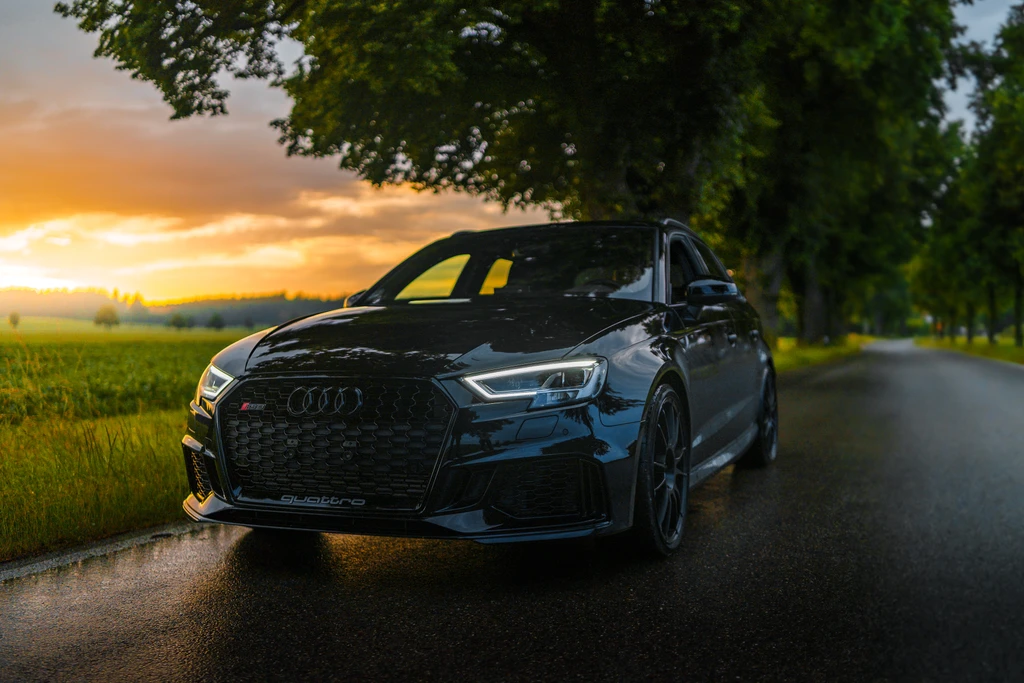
x=383 y=454
x=547 y=489
x=198 y=477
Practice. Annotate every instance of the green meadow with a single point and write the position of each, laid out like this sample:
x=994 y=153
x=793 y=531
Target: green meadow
x=90 y=425
x=91 y=421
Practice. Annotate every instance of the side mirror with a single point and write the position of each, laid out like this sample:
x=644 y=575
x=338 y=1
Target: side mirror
x=710 y=292
x=352 y=300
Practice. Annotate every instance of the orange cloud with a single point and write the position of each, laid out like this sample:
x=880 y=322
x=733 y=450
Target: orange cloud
x=100 y=189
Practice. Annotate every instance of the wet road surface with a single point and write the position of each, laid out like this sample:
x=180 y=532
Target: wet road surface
x=886 y=544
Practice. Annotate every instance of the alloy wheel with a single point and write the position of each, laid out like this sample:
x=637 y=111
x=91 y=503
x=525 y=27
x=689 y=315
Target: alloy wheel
x=671 y=472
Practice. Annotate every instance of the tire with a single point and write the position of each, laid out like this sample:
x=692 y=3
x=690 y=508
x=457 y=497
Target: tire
x=663 y=479
x=765 y=448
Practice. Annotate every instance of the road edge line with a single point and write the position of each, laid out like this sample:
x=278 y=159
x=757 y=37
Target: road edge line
x=20 y=568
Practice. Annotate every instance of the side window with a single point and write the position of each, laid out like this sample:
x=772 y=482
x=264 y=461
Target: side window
x=497 y=276
x=714 y=267
x=436 y=282
x=681 y=270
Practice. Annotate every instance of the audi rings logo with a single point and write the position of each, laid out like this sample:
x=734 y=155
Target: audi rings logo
x=325 y=401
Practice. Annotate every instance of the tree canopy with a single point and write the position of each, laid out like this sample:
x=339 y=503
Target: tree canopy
x=588 y=107
x=107 y=316
x=973 y=256
x=805 y=136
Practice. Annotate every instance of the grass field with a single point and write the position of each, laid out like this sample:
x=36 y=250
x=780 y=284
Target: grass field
x=91 y=421
x=72 y=369
x=1003 y=350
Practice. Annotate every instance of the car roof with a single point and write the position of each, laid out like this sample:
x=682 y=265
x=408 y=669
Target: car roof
x=666 y=225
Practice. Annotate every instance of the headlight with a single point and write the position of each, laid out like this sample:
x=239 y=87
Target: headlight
x=548 y=384
x=213 y=383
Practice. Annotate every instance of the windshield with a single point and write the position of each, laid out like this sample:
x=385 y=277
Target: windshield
x=555 y=261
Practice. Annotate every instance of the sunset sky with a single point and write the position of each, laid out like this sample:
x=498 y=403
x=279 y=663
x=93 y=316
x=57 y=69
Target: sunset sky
x=99 y=189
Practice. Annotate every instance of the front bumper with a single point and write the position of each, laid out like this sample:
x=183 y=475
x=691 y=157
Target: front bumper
x=505 y=474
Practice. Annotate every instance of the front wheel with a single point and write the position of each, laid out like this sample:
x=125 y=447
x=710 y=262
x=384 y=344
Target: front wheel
x=663 y=482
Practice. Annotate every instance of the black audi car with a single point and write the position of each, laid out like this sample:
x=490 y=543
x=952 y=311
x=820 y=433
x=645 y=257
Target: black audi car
x=542 y=382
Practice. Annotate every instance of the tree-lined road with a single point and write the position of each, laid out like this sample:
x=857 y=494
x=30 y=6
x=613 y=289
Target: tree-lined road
x=886 y=544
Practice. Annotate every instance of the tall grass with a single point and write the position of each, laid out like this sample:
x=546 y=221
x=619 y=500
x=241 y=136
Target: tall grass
x=64 y=482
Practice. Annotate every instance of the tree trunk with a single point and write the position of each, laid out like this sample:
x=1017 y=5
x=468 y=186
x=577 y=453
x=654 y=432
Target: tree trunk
x=1018 y=308
x=952 y=327
x=835 y=303
x=814 y=315
x=970 y=322
x=763 y=277
x=992 y=313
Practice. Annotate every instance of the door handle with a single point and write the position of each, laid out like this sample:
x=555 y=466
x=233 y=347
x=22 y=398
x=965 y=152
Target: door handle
x=732 y=338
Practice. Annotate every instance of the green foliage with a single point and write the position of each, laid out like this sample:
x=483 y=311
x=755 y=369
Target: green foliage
x=974 y=255
x=178 y=321
x=592 y=109
x=107 y=317
x=857 y=155
x=14 y=318
x=216 y=322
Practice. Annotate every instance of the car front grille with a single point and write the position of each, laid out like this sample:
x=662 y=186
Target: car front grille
x=379 y=457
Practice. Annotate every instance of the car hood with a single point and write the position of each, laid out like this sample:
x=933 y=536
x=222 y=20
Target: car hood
x=436 y=339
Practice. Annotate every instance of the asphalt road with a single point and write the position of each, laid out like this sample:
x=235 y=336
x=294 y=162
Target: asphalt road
x=886 y=544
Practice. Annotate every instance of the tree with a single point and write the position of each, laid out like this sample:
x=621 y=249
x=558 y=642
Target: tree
x=14 y=319
x=216 y=322
x=998 y=102
x=178 y=321
x=249 y=324
x=107 y=316
x=799 y=135
x=592 y=109
x=855 y=157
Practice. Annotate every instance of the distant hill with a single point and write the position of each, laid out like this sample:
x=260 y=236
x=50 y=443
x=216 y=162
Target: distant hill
x=242 y=311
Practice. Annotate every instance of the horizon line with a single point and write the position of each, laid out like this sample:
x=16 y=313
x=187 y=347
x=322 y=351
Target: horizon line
x=125 y=297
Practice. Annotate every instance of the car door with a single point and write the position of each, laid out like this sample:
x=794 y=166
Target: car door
x=703 y=332
x=749 y=359
x=739 y=369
